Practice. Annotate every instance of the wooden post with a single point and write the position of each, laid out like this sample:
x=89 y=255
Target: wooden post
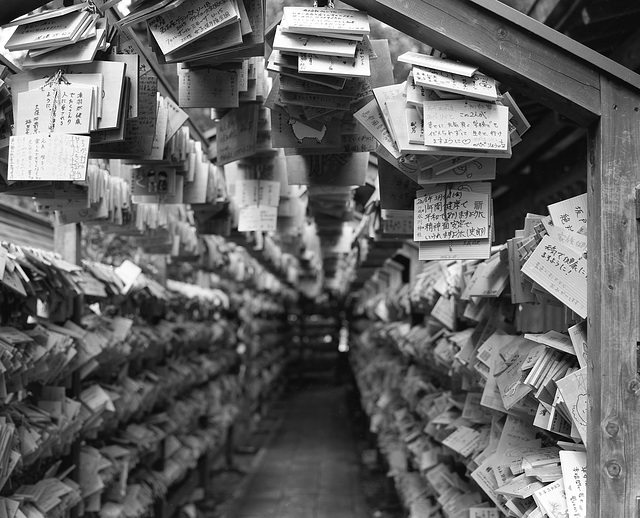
x=613 y=463
x=67 y=243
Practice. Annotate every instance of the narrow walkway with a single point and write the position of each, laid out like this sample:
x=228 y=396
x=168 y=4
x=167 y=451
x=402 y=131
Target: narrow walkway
x=311 y=469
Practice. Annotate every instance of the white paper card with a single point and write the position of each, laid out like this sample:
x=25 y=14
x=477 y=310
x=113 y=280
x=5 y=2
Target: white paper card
x=451 y=215
x=258 y=218
x=54 y=157
x=560 y=271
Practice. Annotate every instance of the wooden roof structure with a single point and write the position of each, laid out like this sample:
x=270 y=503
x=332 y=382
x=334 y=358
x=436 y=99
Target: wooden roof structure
x=575 y=91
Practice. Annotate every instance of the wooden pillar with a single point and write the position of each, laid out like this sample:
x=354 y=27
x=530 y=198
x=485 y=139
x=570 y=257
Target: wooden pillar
x=67 y=243
x=613 y=463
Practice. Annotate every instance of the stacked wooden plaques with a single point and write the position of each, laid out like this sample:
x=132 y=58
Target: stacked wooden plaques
x=71 y=35
x=201 y=32
x=322 y=58
x=444 y=127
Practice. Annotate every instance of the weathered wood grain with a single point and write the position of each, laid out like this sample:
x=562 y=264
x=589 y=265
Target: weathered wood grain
x=23 y=228
x=614 y=307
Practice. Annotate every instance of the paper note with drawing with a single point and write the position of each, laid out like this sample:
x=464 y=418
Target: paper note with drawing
x=573 y=389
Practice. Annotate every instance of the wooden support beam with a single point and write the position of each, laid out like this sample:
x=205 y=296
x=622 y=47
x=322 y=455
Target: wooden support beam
x=67 y=242
x=25 y=227
x=515 y=50
x=613 y=465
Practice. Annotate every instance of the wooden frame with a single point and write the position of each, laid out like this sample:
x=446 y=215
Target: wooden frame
x=597 y=93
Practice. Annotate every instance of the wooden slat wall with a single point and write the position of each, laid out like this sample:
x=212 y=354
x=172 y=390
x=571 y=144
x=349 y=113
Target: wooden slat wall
x=22 y=228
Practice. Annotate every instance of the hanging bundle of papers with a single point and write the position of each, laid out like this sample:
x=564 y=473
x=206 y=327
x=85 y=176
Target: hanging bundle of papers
x=444 y=109
x=444 y=128
x=59 y=113
x=224 y=86
x=547 y=260
x=70 y=35
x=201 y=31
x=325 y=64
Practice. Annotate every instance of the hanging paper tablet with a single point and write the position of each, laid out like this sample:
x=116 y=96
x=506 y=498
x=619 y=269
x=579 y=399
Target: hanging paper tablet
x=48 y=157
x=451 y=215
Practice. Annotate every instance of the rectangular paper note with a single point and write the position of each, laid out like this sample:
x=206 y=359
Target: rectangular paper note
x=237 y=134
x=561 y=271
x=573 y=389
x=371 y=118
x=357 y=66
x=451 y=215
x=258 y=218
x=466 y=124
x=311 y=20
x=53 y=157
x=397 y=222
x=574 y=475
x=291 y=42
x=208 y=88
x=477 y=86
x=484 y=512
x=571 y=213
x=448 y=250
x=578 y=334
x=47 y=33
x=59 y=109
x=191 y=20
x=258 y=192
x=444 y=65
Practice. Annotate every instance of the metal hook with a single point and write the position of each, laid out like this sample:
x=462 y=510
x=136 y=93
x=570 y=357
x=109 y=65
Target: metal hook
x=91 y=7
